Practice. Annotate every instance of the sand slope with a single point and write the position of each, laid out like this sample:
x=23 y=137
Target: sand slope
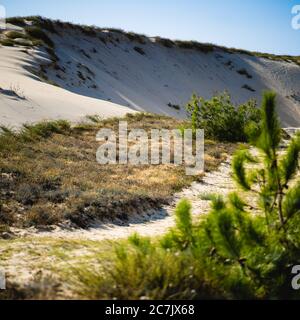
x=109 y=75
x=41 y=101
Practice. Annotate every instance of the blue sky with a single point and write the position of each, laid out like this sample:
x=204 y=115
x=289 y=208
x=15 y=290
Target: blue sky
x=260 y=25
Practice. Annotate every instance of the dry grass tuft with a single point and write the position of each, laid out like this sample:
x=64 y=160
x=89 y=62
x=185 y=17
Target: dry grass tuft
x=49 y=174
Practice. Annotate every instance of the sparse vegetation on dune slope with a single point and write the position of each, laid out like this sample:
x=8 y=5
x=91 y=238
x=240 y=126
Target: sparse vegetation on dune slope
x=49 y=174
x=49 y=25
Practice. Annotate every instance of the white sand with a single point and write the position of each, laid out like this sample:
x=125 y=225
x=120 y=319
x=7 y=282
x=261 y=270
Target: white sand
x=42 y=101
x=133 y=81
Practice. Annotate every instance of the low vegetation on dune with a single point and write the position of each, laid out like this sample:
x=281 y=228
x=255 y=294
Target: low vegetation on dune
x=49 y=174
x=41 y=26
x=30 y=36
x=239 y=250
x=36 y=33
x=243 y=248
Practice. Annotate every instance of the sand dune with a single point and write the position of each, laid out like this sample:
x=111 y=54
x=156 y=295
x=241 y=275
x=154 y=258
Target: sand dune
x=109 y=74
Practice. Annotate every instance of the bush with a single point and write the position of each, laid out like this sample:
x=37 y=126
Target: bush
x=7 y=42
x=145 y=270
x=221 y=119
x=42 y=23
x=44 y=129
x=15 y=34
x=136 y=37
x=37 y=33
x=165 y=42
x=260 y=248
x=28 y=194
x=88 y=31
x=194 y=45
x=17 y=21
x=42 y=216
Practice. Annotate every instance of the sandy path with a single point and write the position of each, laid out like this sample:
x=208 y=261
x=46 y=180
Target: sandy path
x=159 y=221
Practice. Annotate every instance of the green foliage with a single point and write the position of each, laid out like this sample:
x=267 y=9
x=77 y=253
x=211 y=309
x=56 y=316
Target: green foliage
x=17 y=21
x=264 y=245
x=7 y=42
x=270 y=130
x=233 y=252
x=238 y=167
x=37 y=33
x=291 y=202
x=11 y=140
x=194 y=45
x=15 y=34
x=94 y=118
x=165 y=42
x=221 y=119
x=183 y=234
x=44 y=129
x=290 y=164
x=88 y=31
x=275 y=172
x=136 y=37
x=146 y=269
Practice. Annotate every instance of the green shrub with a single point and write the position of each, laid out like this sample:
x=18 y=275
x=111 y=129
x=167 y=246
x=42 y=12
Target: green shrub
x=220 y=118
x=136 y=37
x=45 y=24
x=194 y=45
x=264 y=246
x=42 y=23
x=44 y=129
x=15 y=34
x=11 y=140
x=142 y=269
x=7 y=42
x=36 y=33
x=17 y=21
x=165 y=42
x=88 y=31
